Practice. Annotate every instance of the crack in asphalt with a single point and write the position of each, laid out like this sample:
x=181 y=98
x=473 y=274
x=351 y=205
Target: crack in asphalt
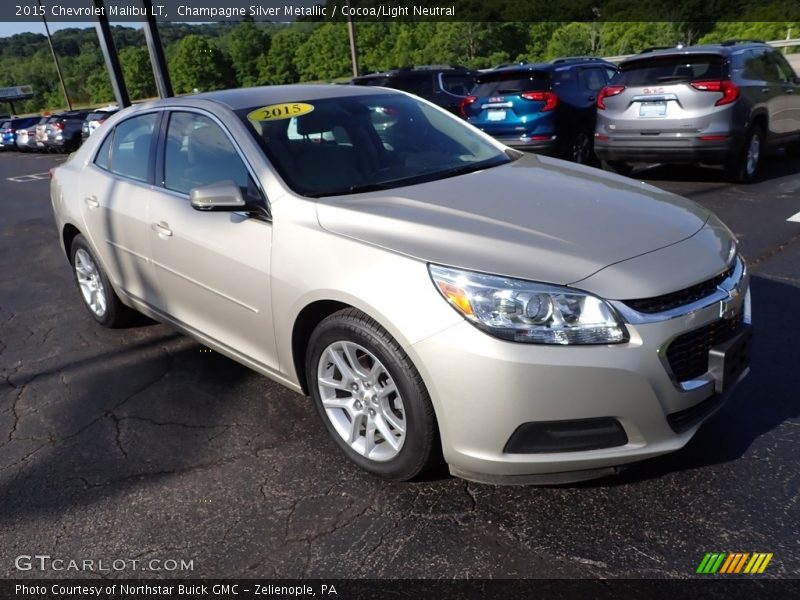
x=118 y=434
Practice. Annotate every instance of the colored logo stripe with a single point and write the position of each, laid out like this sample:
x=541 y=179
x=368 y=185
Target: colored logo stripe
x=729 y=563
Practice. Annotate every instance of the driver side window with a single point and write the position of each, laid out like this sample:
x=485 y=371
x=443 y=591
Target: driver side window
x=199 y=153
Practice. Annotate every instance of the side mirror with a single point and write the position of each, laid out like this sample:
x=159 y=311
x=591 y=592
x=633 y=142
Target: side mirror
x=219 y=196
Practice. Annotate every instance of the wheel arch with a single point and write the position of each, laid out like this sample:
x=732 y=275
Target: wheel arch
x=68 y=234
x=307 y=320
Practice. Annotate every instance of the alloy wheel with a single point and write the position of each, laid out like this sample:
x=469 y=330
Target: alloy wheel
x=90 y=283
x=361 y=400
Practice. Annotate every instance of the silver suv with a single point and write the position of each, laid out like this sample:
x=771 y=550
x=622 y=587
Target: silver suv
x=723 y=104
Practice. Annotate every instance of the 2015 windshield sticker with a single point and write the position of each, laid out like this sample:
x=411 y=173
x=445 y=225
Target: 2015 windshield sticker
x=274 y=112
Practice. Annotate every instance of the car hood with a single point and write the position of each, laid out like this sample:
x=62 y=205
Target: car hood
x=535 y=218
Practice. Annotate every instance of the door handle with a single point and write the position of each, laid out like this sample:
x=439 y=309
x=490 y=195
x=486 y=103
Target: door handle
x=91 y=202
x=789 y=90
x=162 y=229
x=765 y=90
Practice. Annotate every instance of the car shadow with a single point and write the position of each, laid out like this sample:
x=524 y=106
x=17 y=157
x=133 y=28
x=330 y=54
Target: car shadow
x=774 y=166
x=93 y=428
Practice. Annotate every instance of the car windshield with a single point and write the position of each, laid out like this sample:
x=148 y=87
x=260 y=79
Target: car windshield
x=669 y=69
x=363 y=143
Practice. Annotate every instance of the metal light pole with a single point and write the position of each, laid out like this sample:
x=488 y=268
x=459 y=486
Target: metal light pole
x=351 y=30
x=55 y=57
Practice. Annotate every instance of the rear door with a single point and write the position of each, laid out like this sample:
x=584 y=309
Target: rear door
x=789 y=96
x=115 y=191
x=669 y=95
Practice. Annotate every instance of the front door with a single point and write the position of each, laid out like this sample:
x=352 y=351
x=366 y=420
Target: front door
x=212 y=267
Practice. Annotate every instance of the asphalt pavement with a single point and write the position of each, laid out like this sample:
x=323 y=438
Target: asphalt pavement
x=142 y=445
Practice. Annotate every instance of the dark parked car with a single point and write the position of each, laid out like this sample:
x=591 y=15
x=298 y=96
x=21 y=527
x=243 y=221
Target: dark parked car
x=95 y=119
x=725 y=104
x=64 y=130
x=544 y=107
x=443 y=85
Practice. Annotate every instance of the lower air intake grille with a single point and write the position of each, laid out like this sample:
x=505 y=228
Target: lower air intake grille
x=688 y=353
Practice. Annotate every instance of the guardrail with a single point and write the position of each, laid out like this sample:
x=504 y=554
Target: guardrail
x=774 y=44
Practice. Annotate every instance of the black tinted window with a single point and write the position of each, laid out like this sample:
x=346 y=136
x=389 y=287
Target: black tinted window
x=421 y=85
x=459 y=84
x=667 y=69
x=498 y=84
x=132 y=146
x=758 y=66
x=199 y=153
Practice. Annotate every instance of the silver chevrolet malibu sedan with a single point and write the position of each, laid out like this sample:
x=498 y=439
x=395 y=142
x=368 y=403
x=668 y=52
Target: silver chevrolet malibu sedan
x=437 y=294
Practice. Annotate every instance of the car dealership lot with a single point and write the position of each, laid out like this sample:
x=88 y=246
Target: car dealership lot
x=141 y=444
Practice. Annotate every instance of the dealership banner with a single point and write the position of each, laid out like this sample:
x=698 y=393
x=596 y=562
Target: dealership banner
x=398 y=589
x=399 y=10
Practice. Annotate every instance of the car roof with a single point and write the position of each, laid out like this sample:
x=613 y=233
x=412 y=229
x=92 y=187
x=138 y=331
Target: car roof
x=558 y=64
x=240 y=98
x=722 y=49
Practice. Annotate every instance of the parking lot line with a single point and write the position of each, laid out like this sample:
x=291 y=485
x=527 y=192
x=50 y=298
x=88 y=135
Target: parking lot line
x=794 y=218
x=27 y=178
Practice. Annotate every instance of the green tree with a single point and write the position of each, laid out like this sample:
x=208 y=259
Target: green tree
x=571 y=39
x=199 y=64
x=138 y=72
x=248 y=44
x=325 y=55
x=278 y=65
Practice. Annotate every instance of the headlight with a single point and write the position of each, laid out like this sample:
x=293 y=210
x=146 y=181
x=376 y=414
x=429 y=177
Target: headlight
x=524 y=311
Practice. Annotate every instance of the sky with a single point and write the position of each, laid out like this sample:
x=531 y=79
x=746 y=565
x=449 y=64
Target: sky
x=8 y=28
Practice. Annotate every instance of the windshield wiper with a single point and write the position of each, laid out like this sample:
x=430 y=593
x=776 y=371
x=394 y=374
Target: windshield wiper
x=420 y=178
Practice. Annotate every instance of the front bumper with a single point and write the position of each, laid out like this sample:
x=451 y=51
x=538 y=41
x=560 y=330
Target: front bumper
x=484 y=389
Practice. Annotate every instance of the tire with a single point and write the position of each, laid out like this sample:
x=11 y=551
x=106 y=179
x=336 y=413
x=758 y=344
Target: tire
x=614 y=166
x=386 y=425
x=580 y=148
x=745 y=166
x=96 y=292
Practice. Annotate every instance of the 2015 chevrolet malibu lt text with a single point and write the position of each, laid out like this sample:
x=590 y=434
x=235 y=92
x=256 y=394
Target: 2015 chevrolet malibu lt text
x=437 y=294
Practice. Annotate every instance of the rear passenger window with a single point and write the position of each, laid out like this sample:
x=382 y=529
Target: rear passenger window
x=199 y=153
x=592 y=79
x=131 y=147
x=103 y=158
x=458 y=84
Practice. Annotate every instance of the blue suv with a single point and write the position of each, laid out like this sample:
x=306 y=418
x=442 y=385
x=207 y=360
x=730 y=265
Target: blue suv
x=543 y=107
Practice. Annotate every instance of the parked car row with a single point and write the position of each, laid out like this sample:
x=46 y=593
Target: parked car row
x=59 y=132
x=725 y=104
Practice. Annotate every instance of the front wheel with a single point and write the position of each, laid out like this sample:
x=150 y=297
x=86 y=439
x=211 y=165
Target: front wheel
x=371 y=397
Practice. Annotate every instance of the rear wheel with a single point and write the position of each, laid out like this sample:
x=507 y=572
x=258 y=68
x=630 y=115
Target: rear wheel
x=580 y=148
x=98 y=295
x=615 y=166
x=745 y=167
x=371 y=397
